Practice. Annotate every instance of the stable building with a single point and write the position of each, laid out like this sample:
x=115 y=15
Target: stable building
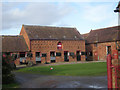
x=15 y=46
x=101 y=42
x=53 y=44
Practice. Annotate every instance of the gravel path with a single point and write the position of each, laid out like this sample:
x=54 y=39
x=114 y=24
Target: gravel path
x=48 y=81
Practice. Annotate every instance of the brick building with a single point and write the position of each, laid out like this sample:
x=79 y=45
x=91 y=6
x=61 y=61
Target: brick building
x=54 y=44
x=101 y=42
x=45 y=44
x=16 y=46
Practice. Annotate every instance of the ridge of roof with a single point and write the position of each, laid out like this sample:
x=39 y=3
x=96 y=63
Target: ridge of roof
x=10 y=35
x=48 y=26
x=105 y=28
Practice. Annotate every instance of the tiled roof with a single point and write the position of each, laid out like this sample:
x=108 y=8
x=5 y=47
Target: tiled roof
x=52 y=33
x=85 y=35
x=13 y=44
x=104 y=35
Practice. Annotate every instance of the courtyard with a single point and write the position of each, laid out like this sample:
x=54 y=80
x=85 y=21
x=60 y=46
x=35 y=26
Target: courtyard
x=71 y=69
x=72 y=75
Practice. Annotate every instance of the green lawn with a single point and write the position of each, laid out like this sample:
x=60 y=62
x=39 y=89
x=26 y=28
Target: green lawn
x=81 y=69
x=13 y=85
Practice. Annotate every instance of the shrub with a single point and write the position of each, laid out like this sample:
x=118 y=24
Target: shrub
x=7 y=76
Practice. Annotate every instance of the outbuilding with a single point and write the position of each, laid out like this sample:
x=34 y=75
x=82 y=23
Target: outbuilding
x=101 y=42
x=54 y=44
x=15 y=46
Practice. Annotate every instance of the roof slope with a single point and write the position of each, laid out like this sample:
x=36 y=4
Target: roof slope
x=85 y=35
x=104 y=35
x=13 y=44
x=52 y=33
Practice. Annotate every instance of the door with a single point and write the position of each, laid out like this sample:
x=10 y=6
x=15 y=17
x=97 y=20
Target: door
x=52 y=56
x=66 y=57
x=22 y=57
x=78 y=56
x=38 y=58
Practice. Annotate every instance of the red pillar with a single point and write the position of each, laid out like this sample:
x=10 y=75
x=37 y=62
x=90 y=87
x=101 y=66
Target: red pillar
x=109 y=72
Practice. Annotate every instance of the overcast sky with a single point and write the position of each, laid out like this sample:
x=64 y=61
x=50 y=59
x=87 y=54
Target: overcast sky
x=82 y=15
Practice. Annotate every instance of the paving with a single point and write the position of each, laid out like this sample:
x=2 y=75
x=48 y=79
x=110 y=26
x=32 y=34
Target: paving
x=49 y=81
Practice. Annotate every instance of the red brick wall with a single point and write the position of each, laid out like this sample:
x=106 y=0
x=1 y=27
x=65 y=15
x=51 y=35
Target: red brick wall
x=100 y=49
x=23 y=32
x=45 y=46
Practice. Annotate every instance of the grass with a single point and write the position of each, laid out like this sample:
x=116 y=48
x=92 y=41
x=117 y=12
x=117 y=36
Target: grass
x=12 y=85
x=81 y=69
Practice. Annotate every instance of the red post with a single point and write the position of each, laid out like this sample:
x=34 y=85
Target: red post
x=116 y=78
x=109 y=72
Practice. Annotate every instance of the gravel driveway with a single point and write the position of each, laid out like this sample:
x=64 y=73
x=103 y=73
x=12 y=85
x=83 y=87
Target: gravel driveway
x=48 y=81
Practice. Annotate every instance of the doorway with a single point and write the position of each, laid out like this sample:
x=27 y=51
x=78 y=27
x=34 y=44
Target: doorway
x=108 y=50
x=78 y=56
x=22 y=57
x=52 y=57
x=66 y=57
x=38 y=58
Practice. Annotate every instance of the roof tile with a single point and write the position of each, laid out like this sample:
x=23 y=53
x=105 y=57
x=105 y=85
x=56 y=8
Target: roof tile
x=13 y=44
x=104 y=35
x=52 y=33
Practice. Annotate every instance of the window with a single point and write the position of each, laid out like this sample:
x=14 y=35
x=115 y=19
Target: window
x=15 y=56
x=29 y=54
x=71 y=53
x=83 y=53
x=22 y=54
x=108 y=50
x=7 y=53
x=90 y=53
x=44 y=55
x=59 y=45
x=37 y=54
x=52 y=54
x=58 y=54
